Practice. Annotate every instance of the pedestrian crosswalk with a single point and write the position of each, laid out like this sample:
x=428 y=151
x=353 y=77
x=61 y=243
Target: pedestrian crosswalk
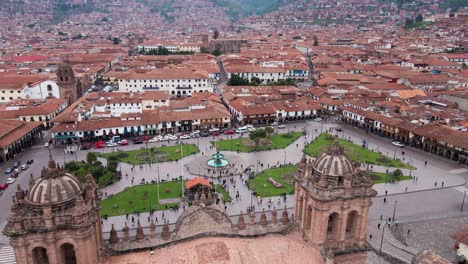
x=459 y=171
x=461 y=189
x=7 y=255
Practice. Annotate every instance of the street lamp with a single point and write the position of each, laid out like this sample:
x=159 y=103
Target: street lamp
x=389 y=223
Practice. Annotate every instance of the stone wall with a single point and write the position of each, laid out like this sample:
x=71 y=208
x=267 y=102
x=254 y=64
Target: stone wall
x=197 y=222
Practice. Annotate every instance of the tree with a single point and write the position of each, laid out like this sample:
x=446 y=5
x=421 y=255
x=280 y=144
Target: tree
x=112 y=165
x=269 y=130
x=256 y=135
x=216 y=52
x=397 y=174
x=216 y=34
x=91 y=157
x=116 y=41
x=419 y=18
x=255 y=81
x=236 y=80
x=316 y=43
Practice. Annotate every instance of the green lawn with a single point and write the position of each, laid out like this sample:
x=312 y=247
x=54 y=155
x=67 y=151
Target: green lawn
x=355 y=152
x=80 y=170
x=153 y=155
x=226 y=196
x=382 y=177
x=141 y=198
x=278 y=141
x=264 y=188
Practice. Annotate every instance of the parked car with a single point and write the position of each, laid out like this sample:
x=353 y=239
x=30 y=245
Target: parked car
x=229 y=132
x=16 y=164
x=123 y=142
x=85 y=146
x=153 y=140
x=241 y=130
x=215 y=133
x=251 y=129
x=281 y=126
x=24 y=167
x=214 y=129
x=398 y=144
x=3 y=186
x=100 y=144
x=10 y=180
x=137 y=141
x=111 y=144
x=9 y=170
x=338 y=129
x=274 y=124
x=146 y=138
x=204 y=134
x=318 y=119
x=249 y=126
x=17 y=170
x=29 y=162
x=184 y=137
x=14 y=174
x=46 y=144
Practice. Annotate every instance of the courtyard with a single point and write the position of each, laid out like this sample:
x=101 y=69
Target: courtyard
x=153 y=154
x=276 y=141
x=355 y=152
x=263 y=186
x=142 y=198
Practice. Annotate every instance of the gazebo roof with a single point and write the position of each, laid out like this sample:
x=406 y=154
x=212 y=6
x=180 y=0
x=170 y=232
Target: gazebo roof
x=197 y=181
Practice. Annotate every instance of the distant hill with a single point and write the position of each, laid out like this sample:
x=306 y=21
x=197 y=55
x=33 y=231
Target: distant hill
x=236 y=9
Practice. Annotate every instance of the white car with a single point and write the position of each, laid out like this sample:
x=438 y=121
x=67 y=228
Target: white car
x=17 y=170
x=184 y=137
x=46 y=144
x=111 y=144
x=251 y=129
x=215 y=129
x=281 y=126
x=249 y=126
x=398 y=144
x=196 y=132
x=274 y=124
x=10 y=180
x=155 y=139
x=172 y=137
x=318 y=119
x=24 y=167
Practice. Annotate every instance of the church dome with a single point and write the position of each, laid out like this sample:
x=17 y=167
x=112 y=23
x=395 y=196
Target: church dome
x=55 y=186
x=334 y=162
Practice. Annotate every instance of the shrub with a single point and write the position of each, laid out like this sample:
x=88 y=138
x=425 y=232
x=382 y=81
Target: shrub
x=72 y=166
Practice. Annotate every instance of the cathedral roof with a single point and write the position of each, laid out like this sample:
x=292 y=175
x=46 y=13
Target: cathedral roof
x=55 y=186
x=334 y=162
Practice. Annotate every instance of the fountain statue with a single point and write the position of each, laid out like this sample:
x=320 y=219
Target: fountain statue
x=217 y=160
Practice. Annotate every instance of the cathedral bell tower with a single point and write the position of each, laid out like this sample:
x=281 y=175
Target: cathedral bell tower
x=333 y=197
x=57 y=221
x=69 y=85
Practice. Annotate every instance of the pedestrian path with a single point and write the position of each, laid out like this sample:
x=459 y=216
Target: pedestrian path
x=461 y=189
x=458 y=171
x=7 y=255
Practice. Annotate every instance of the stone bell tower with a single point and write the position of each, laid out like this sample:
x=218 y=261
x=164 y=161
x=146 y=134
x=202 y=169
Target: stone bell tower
x=69 y=86
x=57 y=221
x=333 y=197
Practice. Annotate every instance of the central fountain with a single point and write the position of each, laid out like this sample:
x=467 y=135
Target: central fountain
x=217 y=161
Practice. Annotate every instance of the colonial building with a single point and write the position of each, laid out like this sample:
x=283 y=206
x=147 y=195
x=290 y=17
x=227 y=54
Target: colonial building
x=332 y=204
x=57 y=221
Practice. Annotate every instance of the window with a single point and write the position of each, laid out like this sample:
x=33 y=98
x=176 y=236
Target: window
x=49 y=88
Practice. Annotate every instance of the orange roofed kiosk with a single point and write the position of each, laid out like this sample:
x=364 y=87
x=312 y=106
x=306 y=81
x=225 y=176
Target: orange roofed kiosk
x=198 y=190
